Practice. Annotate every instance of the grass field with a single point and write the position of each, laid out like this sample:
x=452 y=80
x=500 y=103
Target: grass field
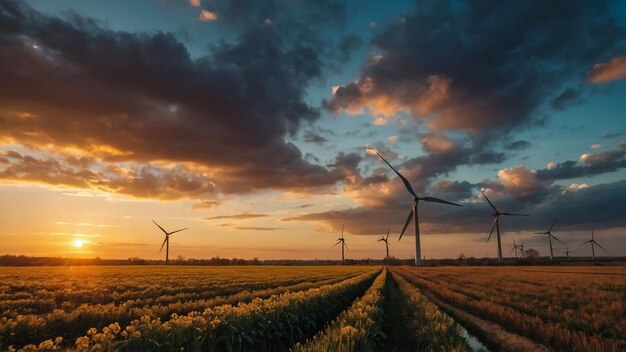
x=319 y=308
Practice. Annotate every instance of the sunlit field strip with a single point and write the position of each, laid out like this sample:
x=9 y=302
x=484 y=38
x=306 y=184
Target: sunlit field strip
x=74 y=286
x=356 y=329
x=269 y=324
x=549 y=334
x=33 y=305
x=434 y=330
x=77 y=322
x=560 y=298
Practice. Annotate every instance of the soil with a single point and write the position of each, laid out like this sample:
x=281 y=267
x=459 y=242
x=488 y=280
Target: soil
x=396 y=325
x=494 y=335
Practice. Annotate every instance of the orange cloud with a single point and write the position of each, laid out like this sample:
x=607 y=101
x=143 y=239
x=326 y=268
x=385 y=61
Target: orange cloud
x=365 y=95
x=520 y=181
x=607 y=72
x=140 y=180
x=437 y=143
x=207 y=16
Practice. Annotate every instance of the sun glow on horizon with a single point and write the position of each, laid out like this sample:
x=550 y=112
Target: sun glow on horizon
x=78 y=243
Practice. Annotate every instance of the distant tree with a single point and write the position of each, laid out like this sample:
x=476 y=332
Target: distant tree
x=531 y=253
x=461 y=256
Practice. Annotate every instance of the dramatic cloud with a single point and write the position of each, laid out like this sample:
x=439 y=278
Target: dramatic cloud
x=590 y=164
x=517 y=189
x=610 y=71
x=481 y=66
x=145 y=180
x=71 y=83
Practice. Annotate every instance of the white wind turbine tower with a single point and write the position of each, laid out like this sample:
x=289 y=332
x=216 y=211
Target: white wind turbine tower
x=550 y=237
x=521 y=249
x=413 y=212
x=386 y=240
x=496 y=225
x=343 y=245
x=592 y=241
x=516 y=248
x=166 y=241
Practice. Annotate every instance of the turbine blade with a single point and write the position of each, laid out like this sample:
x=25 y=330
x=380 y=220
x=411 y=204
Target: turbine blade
x=553 y=236
x=404 y=180
x=388 y=231
x=344 y=244
x=511 y=214
x=437 y=200
x=164 y=240
x=336 y=243
x=540 y=233
x=488 y=201
x=162 y=229
x=599 y=246
x=551 y=226
x=493 y=226
x=173 y=232
x=406 y=224
x=584 y=243
x=592 y=232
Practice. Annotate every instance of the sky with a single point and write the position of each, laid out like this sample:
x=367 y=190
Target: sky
x=256 y=125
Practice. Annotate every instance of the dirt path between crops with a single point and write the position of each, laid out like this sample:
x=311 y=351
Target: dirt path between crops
x=492 y=332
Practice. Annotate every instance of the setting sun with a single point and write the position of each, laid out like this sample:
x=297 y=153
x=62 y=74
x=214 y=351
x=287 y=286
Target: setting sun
x=78 y=243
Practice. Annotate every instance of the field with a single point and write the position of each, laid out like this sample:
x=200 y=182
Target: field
x=318 y=308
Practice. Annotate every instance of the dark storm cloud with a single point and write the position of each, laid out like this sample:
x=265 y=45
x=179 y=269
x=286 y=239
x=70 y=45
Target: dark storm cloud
x=314 y=137
x=590 y=164
x=517 y=145
x=566 y=99
x=71 y=82
x=482 y=65
x=455 y=191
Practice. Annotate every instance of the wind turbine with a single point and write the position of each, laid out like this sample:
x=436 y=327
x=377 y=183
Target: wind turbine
x=386 y=240
x=592 y=241
x=166 y=241
x=550 y=237
x=521 y=249
x=567 y=252
x=413 y=211
x=343 y=245
x=515 y=248
x=496 y=225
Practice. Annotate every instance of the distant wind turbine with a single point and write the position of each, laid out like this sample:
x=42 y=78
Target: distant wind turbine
x=550 y=237
x=166 y=241
x=592 y=241
x=496 y=225
x=567 y=252
x=521 y=249
x=343 y=245
x=515 y=248
x=386 y=240
x=413 y=211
